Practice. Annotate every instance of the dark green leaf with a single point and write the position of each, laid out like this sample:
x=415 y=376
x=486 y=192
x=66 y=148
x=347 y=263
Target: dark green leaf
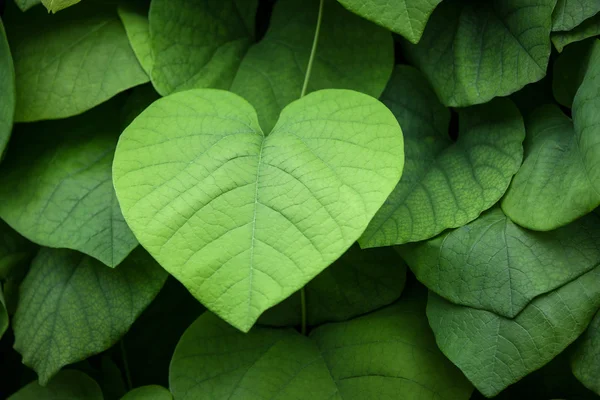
x=570 y=13
x=3 y=314
x=15 y=250
x=67 y=385
x=569 y=70
x=586 y=358
x=7 y=88
x=589 y=28
x=152 y=392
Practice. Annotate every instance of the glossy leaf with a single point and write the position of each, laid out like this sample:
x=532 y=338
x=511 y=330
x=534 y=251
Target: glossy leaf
x=587 y=29
x=56 y=185
x=569 y=70
x=495 y=352
x=152 y=392
x=387 y=354
x=445 y=184
x=67 y=63
x=358 y=282
x=586 y=357
x=134 y=16
x=67 y=385
x=3 y=314
x=272 y=73
x=199 y=44
x=560 y=177
x=57 y=5
x=570 y=13
x=72 y=306
x=245 y=220
x=14 y=250
x=473 y=51
x=405 y=17
x=7 y=88
x=495 y=265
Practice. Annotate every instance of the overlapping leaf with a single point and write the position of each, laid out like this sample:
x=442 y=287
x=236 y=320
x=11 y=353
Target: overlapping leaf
x=199 y=44
x=134 y=16
x=495 y=265
x=586 y=358
x=56 y=185
x=245 y=220
x=387 y=354
x=67 y=63
x=570 y=13
x=272 y=73
x=569 y=70
x=358 y=282
x=589 y=28
x=560 y=177
x=495 y=352
x=445 y=184
x=7 y=88
x=473 y=51
x=72 y=306
x=14 y=250
x=67 y=385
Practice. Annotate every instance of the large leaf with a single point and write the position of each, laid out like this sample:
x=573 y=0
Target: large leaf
x=67 y=385
x=589 y=28
x=7 y=88
x=495 y=352
x=152 y=392
x=272 y=73
x=242 y=219
x=560 y=177
x=389 y=354
x=14 y=250
x=495 y=265
x=72 y=306
x=56 y=185
x=473 y=51
x=199 y=44
x=70 y=62
x=57 y=5
x=569 y=70
x=445 y=184
x=405 y=17
x=570 y=13
x=359 y=282
x=586 y=357
x=134 y=16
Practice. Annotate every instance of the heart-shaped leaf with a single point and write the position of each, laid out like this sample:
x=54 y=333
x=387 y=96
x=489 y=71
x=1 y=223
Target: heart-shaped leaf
x=473 y=51
x=587 y=29
x=495 y=352
x=243 y=219
x=445 y=184
x=585 y=361
x=272 y=72
x=388 y=354
x=560 y=177
x=67 y=385
x=495 y=265
x=7 y=88
x=67 y=292
x=570 y=13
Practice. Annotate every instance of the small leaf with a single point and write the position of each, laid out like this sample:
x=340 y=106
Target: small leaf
x=587 y=29
x=72 y=306
x=570 y=13
x=66 y=385
x=358 y=282
x=15 y=250
x=3 y=314
x=560 y=177
x=495 y=352
x=569 y=70
x=54 y=6
x=7 y=88
x=135 y=20
x=389 y=354
x=56 y=186
x=445 y=184
x=495 y=265
x=68 y=63
x=405 y=17
x=245 y=220
x=152 y=392
x=473 y=51
x=272 y=73
x=199 y=44
x=585 y=361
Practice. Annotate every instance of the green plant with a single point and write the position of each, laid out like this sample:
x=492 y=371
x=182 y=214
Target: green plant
x=299 y=199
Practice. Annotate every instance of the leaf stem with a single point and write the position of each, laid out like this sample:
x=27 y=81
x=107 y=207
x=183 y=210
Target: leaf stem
x=313 y=50
x=126 y=365
x=303 y=305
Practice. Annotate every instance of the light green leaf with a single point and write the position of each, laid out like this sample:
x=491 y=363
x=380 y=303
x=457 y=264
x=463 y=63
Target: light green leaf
x=495 y=352
x=152 y=392
x=389 y=354
x=7 y=88
x=585 y=361
x=56 y=185
x=67 y=385
x=244 y=220
x=70 y=62
x=405 y=17
x=445 y=184
x=3 y=314
x=199 y=44
x=560 y=177
x=54 y=6
x=495 y=265
x=72 y=306
x=569 y=70
x=473 y=51
x=358 y=282
x=272 y=73
x=14 y=250
x=25 y=5
x=570 y=13
x=589 y=28
x=134 y=16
